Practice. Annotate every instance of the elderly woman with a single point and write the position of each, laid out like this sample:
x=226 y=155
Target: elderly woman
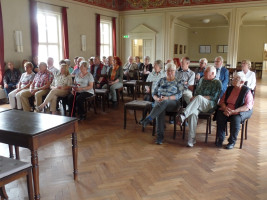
x=166 y=95
x=24 y=83
x=115 y=76
x=83 y=88
x=147 y=68
x=250 y=76
x=235 y=106
x=60 y=87
x=155 y=75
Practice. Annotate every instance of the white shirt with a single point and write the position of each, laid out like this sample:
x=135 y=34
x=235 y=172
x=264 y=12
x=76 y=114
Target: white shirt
x=250 y=78
x=53 y=70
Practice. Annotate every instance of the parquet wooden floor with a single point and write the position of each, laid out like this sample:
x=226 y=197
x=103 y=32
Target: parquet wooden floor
x=118 y=164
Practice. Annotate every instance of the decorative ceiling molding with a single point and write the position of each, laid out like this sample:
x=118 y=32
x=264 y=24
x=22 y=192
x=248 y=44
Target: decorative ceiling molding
x=124 y=5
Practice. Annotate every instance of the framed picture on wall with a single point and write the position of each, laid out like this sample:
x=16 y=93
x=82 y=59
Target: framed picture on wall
x=181 y=49
x=175 y=49
x=222 y=48
x=204 y=49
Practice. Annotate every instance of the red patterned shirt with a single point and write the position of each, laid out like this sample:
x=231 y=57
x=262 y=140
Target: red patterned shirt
x=42 y=78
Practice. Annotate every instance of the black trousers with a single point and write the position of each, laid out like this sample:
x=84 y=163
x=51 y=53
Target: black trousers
x=79 y=103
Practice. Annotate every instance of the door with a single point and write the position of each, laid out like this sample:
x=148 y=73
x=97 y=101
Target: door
x=147 y=48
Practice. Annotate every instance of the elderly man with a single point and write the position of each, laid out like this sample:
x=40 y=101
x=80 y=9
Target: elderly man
x=50 y=66
x=98 y=69
x=130 y=69
x=11 y=78
x=39 y=87
x=187 y=76
x=200 y=71
x=205 y=100
x=222 y=73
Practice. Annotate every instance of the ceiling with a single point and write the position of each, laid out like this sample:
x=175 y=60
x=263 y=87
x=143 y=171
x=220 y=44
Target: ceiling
x=255 y=17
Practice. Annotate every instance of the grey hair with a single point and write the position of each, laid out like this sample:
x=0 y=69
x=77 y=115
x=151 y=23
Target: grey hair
x=159 y=63
x=147 y=58
x=242 y=76
x=80 y=58
x=67 y=61
x=212 y=69
x=220 y=57
x=204 y=59
x=84 y=63
x=170 y=66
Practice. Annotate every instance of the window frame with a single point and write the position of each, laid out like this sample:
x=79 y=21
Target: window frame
x=102 y=44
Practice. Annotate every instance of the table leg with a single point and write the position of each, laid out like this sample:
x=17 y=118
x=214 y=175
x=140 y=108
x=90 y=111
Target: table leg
x=75 y=155
x=11 y=152
x=35 y=173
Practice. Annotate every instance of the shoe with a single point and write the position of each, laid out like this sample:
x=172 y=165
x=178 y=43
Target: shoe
x=144 y=122
x=230 y=146
x=38 y=109
x=171 y=121
x=219 y=143
x=158 y=141
x=180 y=119
x=191 y=143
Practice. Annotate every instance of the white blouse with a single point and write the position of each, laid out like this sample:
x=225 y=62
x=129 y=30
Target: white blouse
x=250 y=78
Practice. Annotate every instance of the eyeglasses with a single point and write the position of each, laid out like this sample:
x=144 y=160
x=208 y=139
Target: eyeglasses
x=217 y=61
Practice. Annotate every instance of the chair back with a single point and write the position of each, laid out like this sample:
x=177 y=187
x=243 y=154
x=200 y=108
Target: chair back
x=140 y=89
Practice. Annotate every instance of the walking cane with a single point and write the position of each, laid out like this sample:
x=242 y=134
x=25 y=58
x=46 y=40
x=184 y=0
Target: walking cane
x=73 y=102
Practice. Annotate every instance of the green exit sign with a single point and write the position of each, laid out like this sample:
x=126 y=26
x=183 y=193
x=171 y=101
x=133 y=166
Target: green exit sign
x=126 y=36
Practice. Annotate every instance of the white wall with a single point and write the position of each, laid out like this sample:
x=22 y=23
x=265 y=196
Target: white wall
x=180 y=38
x=152 y=21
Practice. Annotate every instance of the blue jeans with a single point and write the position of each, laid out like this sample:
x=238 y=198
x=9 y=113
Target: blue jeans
x=235 y=121
x=159 y=111
x=11 y=86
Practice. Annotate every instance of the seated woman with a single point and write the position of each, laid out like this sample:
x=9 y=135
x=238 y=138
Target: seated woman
x=24 y=83
x=84 y=82
x=147 y=68
x=166 y=95
x=235 y=106
x=115 y=76
x=60 y=87
x=250 y=75
x=154 y=76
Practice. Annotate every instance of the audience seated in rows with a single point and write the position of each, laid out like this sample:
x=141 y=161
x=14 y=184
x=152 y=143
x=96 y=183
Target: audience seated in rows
x=24 y=83
x=77 y=67
x=98 y=71
x=205 y=99
x=140 y=65
x=130 y=70
x=50 y=66
x=147 y=68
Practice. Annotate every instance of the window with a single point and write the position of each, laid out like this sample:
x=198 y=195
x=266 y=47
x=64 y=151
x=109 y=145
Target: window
x=105 y=38
x=50 y=36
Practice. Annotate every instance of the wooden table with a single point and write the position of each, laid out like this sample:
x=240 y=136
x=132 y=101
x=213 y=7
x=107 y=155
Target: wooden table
x=33 y=130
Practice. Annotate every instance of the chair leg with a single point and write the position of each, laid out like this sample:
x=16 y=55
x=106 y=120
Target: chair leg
x=124 y=117
x=94 y=106
x=17 y=152
x=207 y=131
x=135 y=117
x=242 y=136
x=11 y=152
x=246 y=130
x=174 y=131
x=29 y=184
x=143 y=129
x=154 y=127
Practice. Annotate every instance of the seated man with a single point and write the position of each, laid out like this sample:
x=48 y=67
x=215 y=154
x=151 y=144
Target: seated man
x=39 y=87
x=11 y=78
x=98 y=69
x=222 y=73
x=187 y=77
x=205 y=100
x=130 y=70
x=50 y=66
x=200 y=71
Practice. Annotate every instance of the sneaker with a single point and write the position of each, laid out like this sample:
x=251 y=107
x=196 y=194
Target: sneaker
x=180 y=119
x=144 y=122
x=219 y=143
x=230 y=146
x=191 y=143
x=158 y=141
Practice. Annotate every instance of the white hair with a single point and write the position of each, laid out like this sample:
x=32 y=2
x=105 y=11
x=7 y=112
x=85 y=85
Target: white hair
x=67 y=61
x=212 y=69
x=84 y=63
x=147 y=58
x=204 y=59
x=220 y=57
x=170 y=66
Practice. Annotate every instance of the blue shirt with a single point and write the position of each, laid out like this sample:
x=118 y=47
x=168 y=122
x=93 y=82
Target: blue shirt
x=168 y=88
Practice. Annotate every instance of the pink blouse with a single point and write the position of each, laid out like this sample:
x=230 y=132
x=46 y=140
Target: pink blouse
x=233 y=97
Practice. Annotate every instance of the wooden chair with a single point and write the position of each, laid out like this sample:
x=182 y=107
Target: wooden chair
x=139 y=104
x=11 y=170
x=103 y=95
x=258 y=68
x=119 y=93
x=90 y=101
x=130 y=85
